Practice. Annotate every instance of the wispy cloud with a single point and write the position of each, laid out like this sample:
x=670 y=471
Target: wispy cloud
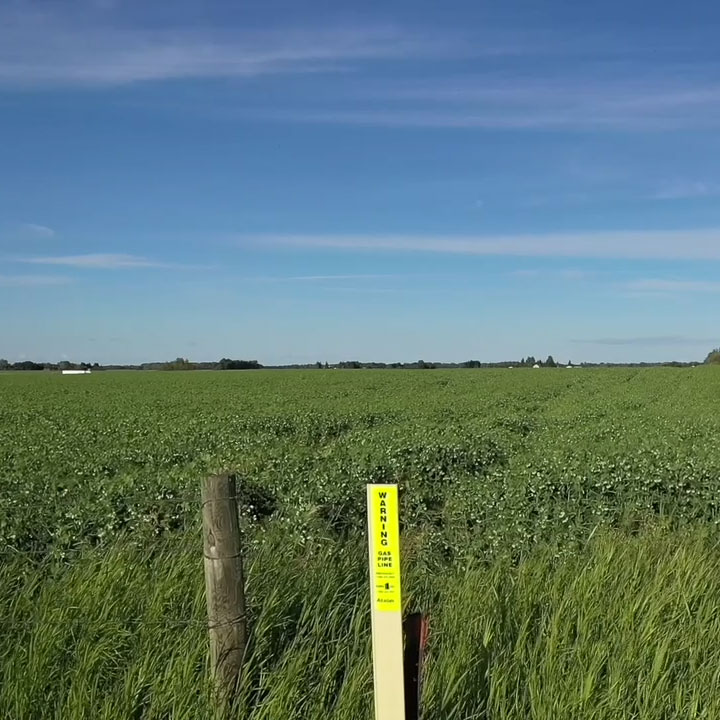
x=658 y=340
x=32 y=280
x=38 y=231
x=565 y=273
x=581 y=94
x=575 y=274
x=323 y=278
x=79 y=48
x=367 y=291
x=541 y=78
x=100 y=261
x=659 y=285
x=687 y=190
x=560 y=199
x=525 y=272
x=661 y=245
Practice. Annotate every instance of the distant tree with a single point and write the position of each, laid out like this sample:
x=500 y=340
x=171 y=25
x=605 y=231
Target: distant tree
x=327 y=367
x=27 y=365
x=4 y=364
x=350 y=365
x=530 y=360
x=178 y=364
x=318 y=365
x=228 y=364
x=713 y=357
x=550 y=362
x=421 y=365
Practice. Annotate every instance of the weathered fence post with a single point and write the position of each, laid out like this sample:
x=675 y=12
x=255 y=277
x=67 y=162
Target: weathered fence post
x=224 y=583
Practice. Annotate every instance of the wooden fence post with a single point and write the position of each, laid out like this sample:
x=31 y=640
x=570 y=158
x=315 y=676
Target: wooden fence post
x=224 y=583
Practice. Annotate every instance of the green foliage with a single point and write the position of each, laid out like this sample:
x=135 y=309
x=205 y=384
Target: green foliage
x=178 y=364
x=228 y=364
x=561 y=529
x=713 y=357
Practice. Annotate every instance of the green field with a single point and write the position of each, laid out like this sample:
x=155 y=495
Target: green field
x=560 y=527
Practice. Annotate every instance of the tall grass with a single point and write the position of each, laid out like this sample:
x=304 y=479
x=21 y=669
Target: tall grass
x=627 y=627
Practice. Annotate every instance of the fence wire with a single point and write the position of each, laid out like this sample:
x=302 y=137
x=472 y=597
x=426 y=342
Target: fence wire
x=33 y=624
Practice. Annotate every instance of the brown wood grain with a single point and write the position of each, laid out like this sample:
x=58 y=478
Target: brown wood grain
x=224 y=583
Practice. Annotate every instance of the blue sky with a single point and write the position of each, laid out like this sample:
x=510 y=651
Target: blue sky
x=293 y=182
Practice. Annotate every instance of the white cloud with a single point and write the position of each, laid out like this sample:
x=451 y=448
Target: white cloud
x=581 y=81
x=322 y=278
x=365 y=290
x=660 y=340
x=32 y=280
x=574 y=274
x=579 y=94
x=78 y=48
x=561 y=199
x=658 y=285
x=39 y=231
x=565 y=273
x=686 y=190
x=104 y=261
x=526 y=272
x=647 y=244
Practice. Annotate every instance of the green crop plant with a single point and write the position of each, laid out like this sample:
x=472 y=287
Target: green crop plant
x=560 y=527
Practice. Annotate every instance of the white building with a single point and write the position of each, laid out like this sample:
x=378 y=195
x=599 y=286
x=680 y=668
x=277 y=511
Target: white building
x=75 y=372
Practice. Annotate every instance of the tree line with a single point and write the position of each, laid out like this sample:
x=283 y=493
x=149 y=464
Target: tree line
x=177 y=364
x=181 y=363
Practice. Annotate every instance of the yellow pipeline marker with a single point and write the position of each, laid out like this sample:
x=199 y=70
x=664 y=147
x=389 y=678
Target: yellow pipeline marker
x=386 y=601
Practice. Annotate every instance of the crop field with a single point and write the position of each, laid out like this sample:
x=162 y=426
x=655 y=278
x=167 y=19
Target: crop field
x=559 y=526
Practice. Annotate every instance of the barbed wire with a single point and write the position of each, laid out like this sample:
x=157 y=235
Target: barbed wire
x=148 y=551
x=10 y=623
x=140 y=498
x=57 y=553
x=143 y=500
